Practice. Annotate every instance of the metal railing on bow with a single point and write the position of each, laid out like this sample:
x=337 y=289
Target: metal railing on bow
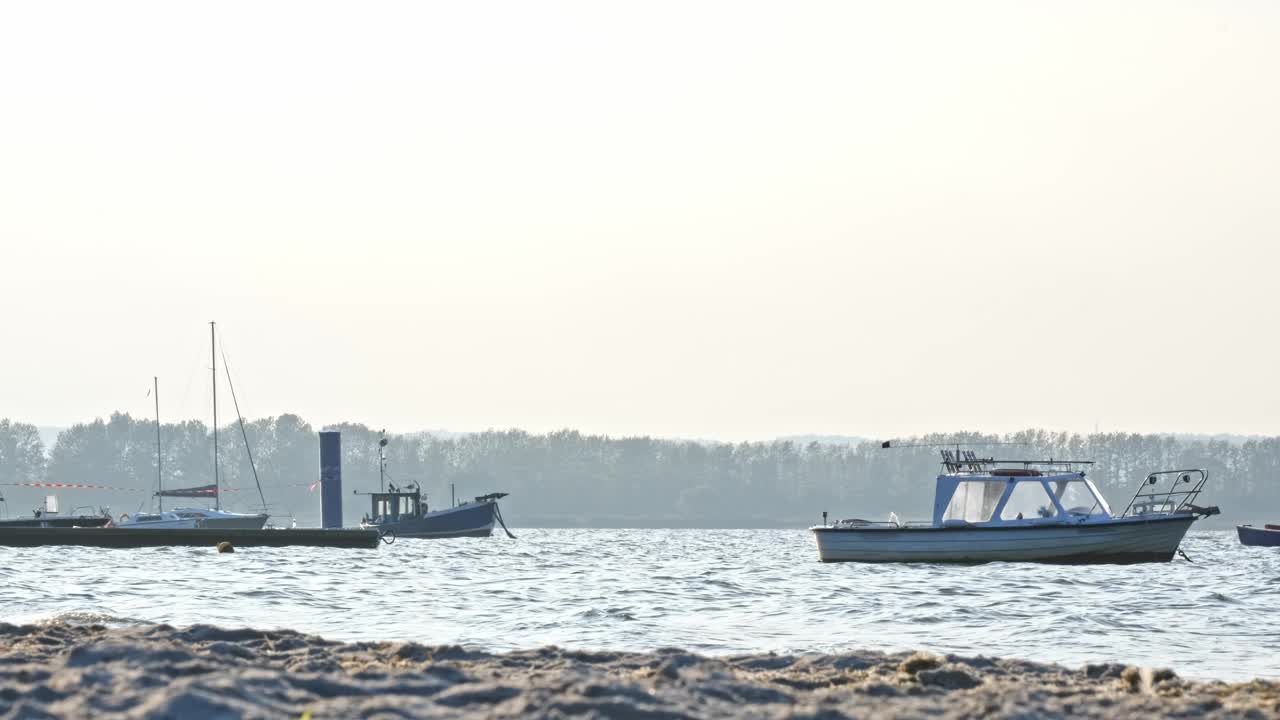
x=1151 y=498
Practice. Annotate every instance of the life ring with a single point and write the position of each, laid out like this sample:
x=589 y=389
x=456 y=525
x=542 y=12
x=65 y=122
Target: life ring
x=124 y=516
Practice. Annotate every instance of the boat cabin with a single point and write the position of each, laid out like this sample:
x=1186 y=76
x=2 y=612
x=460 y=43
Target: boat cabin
x=395 y=506
x=975 y=491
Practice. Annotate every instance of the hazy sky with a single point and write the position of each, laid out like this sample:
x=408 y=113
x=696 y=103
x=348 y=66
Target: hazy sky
x=707 y=219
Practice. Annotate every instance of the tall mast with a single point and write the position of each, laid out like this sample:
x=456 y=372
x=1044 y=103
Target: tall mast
x=213 y=353
x=226 y=367
x=159 y=460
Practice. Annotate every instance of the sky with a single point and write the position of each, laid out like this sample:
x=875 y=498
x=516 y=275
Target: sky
x=721 y=220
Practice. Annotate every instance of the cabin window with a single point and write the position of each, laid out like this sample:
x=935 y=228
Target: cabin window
x=1028 y=501
x=1077 y=499
x=974 y=501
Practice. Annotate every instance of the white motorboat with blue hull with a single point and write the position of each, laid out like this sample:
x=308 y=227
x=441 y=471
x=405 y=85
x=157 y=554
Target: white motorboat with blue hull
x=1131 y=540
x=984 y=513
x=405 y=515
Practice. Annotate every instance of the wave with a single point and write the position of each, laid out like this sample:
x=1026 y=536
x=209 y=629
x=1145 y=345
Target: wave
x=79 y=618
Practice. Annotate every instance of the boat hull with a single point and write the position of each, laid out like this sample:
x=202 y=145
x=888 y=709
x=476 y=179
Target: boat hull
x=127 y=537
x=161 y=525
x=221 y=521
x=239 y=522
x=471 y=520
x=1258 y=537
x=57 y=522
x=1119 y=541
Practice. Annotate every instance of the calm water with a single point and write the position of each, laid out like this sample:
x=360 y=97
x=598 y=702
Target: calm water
x=713 y=591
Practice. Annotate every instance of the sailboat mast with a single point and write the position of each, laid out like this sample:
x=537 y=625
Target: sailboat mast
x=226 y=367
x=213 y=353
x=159 y=458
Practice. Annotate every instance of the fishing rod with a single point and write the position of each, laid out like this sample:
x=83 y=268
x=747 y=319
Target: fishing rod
x=968 y=458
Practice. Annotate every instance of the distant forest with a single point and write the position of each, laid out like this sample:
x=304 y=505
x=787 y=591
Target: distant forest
x=568 y=479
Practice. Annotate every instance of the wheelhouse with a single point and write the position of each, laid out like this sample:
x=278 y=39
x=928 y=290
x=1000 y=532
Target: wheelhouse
x=999 y=498
x=974 y=491
x=395 y=506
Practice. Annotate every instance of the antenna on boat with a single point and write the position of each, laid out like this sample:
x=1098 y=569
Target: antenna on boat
x=382 y=462
x=889 y=444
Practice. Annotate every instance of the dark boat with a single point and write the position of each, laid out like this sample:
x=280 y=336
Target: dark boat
x=48 y=517
x=1265 y=536
x=123 y=537
x=40 y=519
x=405 y=514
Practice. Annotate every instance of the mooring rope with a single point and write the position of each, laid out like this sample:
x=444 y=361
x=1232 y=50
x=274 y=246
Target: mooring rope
x=498 y=513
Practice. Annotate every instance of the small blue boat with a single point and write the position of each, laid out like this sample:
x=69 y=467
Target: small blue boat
x=402 y=513
x=1265 y=536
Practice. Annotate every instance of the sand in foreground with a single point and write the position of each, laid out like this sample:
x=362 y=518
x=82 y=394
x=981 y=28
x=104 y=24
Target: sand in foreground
x=76 y=671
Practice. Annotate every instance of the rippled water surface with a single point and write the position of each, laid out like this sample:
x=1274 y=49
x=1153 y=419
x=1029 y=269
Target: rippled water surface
x=713 y=591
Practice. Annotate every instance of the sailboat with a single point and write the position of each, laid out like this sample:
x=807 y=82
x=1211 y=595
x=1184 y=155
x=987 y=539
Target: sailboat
x=189 y=517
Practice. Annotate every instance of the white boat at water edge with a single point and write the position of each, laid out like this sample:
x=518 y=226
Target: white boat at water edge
x=1033 y=511
x=182 y=518
x=225 y=519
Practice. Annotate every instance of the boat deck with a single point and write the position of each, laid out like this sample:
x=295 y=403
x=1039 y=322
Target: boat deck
x=118 y=537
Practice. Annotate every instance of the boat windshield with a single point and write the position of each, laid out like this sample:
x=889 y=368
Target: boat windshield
x=1078 y=499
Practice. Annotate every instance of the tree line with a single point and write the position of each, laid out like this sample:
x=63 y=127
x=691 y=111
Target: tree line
x=570 y=479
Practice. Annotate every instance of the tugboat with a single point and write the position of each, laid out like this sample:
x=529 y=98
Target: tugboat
x=396 y=512
x=403 y=513
x=987 y=510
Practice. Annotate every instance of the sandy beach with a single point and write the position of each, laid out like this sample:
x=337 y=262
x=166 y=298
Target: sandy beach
x=157 y=671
